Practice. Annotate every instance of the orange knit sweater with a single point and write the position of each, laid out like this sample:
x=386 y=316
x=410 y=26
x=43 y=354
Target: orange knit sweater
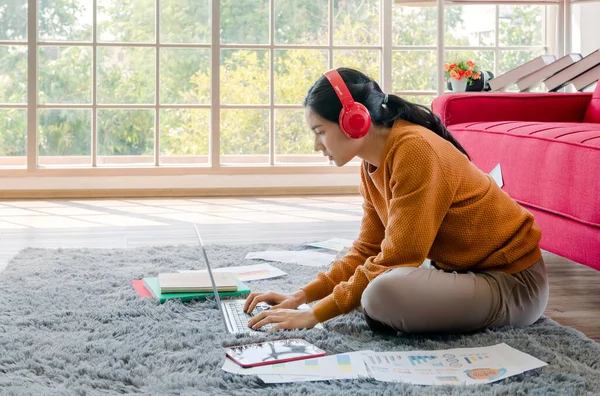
x=426 y=200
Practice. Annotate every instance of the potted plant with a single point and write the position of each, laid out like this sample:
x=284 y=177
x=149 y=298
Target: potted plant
x=461 y=73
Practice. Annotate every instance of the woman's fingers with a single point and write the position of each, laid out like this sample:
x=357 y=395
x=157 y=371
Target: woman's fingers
x=263 y=318
x=249 y=300
x=259 y=297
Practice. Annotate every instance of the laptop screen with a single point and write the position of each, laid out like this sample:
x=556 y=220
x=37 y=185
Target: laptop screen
x=210 y=274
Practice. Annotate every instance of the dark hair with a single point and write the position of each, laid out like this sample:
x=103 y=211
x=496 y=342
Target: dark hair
x=322 y=99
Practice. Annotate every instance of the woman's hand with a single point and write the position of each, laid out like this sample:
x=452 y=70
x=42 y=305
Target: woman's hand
x=284 y=319
x=281 y=300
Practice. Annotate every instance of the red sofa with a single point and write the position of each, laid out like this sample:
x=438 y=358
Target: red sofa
x=548 y=146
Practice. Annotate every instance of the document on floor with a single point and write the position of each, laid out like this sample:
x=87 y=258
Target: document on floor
x=335 y=244
x=334 y=367
x=496 y=174
x=309 y=258
x=461 y=366
x=248 y=272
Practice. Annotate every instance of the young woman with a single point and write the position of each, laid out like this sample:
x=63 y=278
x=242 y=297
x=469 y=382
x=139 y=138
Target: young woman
x=423 y=198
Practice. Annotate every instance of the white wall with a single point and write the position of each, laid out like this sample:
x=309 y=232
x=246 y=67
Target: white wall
x=586 y=27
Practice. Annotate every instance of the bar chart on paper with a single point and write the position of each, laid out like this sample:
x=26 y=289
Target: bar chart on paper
x=472 y=359
x=416 y=360
x=389 y=359
x=344 y=363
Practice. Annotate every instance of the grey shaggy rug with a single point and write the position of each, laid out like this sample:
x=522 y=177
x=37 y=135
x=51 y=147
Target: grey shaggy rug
x=72 y=324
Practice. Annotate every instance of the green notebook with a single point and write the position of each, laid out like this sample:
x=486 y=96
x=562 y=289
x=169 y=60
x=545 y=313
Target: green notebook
x=154 y=288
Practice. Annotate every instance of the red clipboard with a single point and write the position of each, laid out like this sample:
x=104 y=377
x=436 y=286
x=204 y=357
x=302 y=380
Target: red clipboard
x=273 y=352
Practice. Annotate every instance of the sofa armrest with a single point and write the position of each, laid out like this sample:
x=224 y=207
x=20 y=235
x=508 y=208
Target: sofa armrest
x=486 y=107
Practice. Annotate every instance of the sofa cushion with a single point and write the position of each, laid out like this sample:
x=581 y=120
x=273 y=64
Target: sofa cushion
x=592 y=113
x=550 y=166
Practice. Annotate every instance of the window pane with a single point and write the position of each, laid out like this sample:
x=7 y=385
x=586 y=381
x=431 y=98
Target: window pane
x=365 y=61
x=65 y=21
x=471 y=25
x=245 y=77
x=301 y=22
x=126 y=75
x=125 y=137
x=521 y=25
x=420 y=99
x=245 y=22
x=13 y=20
x=245 y=136
x=184 y=136
x=295 y=72
x=13 y=137
x=184 y=75
x=65 y=137
x=126 y=21
x=356 y=22
x=414 y=25
x=185 y=21
x=13 y=74
x=65 y=75
x=414 y=70
x=294 y=142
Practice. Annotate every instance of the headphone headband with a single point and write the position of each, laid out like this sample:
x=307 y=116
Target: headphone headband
x=340 y=88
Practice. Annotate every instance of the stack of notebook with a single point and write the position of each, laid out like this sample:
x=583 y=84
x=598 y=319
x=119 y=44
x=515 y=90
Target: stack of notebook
x=193 y=286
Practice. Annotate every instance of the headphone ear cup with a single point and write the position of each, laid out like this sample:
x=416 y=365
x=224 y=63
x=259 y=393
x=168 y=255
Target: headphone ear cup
x=355 y=120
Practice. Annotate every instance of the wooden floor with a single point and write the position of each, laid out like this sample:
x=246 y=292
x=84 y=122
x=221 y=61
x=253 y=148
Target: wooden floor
x=574 y=294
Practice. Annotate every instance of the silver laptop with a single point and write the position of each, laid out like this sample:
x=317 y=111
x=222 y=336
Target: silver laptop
x=232 y=311
x=235 y=319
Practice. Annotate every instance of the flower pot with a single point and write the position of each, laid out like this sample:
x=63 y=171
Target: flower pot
x=458 y=85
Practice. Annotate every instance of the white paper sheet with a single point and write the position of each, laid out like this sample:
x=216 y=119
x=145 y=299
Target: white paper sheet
x=461 y=366
x=496 y=174
x=341 y=366
x=248 y=272
x=303 y=257
x=335 y=244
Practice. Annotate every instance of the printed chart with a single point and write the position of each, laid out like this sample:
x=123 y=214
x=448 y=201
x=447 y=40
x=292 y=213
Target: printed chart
x=452 y=366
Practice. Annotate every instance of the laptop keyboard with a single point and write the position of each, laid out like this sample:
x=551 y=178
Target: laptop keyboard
x=241 y=318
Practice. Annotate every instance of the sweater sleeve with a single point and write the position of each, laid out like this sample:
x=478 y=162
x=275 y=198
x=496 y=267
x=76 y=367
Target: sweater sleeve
x=367 y=244
x=420 y=198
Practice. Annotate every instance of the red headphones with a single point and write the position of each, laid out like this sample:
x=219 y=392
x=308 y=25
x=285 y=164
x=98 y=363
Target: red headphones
x=355 y=119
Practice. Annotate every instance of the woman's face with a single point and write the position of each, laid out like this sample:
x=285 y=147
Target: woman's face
x=330 y=139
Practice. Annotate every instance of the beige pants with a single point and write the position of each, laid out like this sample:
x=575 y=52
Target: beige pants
x=417 y=300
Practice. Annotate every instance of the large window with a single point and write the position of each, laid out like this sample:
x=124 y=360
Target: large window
x=212 y=84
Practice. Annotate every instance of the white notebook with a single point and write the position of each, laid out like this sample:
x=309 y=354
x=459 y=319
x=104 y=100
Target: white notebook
x=565 y=76
x=505 y=80
x=532 y=80
x=586 y=79
x=196 y=282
